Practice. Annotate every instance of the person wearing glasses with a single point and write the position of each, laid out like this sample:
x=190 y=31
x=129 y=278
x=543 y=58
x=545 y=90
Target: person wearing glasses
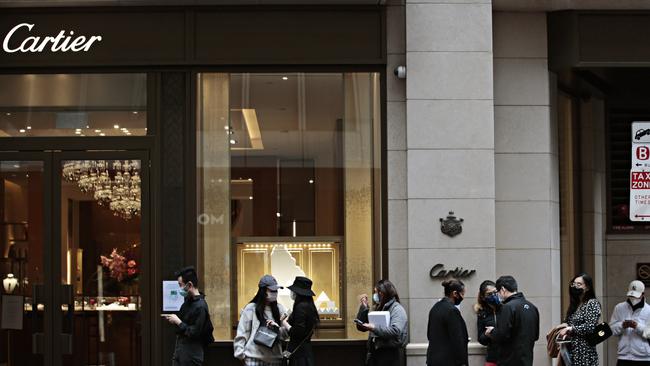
x=486 y=317
x=581 y=320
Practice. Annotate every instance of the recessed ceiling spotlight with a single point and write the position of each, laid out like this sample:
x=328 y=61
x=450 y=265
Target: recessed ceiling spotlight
x=311 y=181
x=250 y=197
x=87 y=126
x=277 y=214
x=226 y=128
x=250 y=179
x=8 y=114
x=135 y=112
x=233 y=141
x=116 y=126
x=29 y=127
x=285 y=78
x=22 y=130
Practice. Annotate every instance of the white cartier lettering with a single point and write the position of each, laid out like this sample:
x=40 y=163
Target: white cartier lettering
x=60 y=43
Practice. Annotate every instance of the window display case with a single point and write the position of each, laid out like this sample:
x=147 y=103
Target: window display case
x=284 y=259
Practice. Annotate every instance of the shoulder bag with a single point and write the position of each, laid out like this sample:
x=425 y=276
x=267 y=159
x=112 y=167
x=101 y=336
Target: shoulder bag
x=265 y=336
x=601 y=333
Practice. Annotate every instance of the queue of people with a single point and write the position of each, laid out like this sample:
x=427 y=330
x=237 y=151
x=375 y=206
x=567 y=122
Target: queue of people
x=507 y=324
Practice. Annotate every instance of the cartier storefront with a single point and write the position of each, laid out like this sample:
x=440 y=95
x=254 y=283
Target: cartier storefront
x=135 y=140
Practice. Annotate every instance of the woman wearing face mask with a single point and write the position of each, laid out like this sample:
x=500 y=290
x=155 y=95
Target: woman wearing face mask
x=486 y=317
x=447 y=331
x=385 y=343
x=581 y=320
x=302 y=323
x=262 y=310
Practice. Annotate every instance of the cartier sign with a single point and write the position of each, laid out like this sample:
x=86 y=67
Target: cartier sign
x=439 y=272
x=19 y=40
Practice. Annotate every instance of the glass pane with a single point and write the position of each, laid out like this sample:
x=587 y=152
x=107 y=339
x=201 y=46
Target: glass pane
x=73 y=105
x=101 y=260
x=299 y=152
x=21 y=260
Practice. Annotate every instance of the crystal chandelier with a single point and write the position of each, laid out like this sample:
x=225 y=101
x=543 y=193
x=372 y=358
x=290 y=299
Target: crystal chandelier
x=113 y=183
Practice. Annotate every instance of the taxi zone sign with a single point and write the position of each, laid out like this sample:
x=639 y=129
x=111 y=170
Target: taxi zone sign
x=640 y=172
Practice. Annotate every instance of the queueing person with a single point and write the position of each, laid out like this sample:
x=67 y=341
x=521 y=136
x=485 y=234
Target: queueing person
x=193 y=325
x=385 y=343
x=447 y=331
x=517 y=326
x=582 y=318
x=486 y=317
x=263 y=310
x=301 y=323
x=630 y=320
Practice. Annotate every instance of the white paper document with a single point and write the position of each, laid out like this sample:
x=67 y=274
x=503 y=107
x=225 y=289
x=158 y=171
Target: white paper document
x=172 y=299
x=12 y=312
x=379 y=318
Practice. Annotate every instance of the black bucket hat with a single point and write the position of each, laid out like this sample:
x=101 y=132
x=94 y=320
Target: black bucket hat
x=302 y=286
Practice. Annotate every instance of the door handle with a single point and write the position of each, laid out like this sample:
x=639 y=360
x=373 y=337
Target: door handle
x=66 y=336
x=38 y=336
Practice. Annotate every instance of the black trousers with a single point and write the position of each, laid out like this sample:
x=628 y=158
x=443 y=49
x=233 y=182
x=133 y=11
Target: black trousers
x=386 y=357
x=632 y=363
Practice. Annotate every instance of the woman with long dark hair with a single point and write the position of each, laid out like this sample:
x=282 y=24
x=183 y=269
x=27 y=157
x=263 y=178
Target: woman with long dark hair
x=302 y=323
x=581 y=319
x=486 y=317
x=385 y=343
x=263 y=310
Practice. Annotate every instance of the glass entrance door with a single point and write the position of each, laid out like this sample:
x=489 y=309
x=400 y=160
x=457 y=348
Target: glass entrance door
x=73 y=252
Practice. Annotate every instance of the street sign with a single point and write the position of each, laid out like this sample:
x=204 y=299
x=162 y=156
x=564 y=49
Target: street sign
x=641 y=156
x=640 y=132
x=639 y=196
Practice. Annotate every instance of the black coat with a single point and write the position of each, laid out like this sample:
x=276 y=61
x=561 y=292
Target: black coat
x=302 y=322
x=447 y=334
x=516 y=331
x=487 y=318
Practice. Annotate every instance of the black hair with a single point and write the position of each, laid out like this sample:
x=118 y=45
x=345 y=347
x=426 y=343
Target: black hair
x=188 y=274
x=312 y=308
x=507 y=282
x=452 y=285
x=388 y=290
x=588 y=294
x=481 y=303
x=260 y=304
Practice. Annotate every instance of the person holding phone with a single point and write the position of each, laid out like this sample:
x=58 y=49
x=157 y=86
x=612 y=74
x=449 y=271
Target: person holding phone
x=193 y=325
x=385 y=343
x=630 y=320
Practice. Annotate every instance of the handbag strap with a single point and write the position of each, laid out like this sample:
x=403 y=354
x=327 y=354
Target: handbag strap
x=289 y=354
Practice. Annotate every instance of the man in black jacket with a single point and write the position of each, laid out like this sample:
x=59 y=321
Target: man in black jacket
x=517 y=326
x=447 y=332
x=193 y=325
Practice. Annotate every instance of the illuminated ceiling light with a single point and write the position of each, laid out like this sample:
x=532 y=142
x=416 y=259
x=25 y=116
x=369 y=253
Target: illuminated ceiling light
x=78 y=132
x=116 y=126
x=29 y=127
x=102 y=134
x=8 y=114
x=135 y=112
x=22 y=130
x=226 y=128
x=98 y=131
x=311 y=181
x=285 y=78
x=277 y=214
x=250 y=179
x=233 y=141
x=16 y=166
x=250 y=197
x=77 y=129
x=87 y=126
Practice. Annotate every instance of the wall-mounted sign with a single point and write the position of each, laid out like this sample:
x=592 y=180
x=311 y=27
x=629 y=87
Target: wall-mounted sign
x=439 y=272
x=18 y=39
x=640 y=172
x=643 y=273
x=451 y=226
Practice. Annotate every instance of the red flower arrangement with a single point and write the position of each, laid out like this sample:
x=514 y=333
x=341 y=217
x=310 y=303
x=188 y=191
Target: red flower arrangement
x=122 y=268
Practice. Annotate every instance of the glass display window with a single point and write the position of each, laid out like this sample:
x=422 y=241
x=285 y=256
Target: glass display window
x=288 y=184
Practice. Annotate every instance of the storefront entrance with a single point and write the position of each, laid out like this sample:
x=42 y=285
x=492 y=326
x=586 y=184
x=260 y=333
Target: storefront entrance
x=74 y=257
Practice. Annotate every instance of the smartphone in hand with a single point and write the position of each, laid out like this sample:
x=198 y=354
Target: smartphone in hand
x=357 y=321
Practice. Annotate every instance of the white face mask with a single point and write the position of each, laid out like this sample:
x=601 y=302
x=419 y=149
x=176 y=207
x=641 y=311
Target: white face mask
x=293 y=296
x=272 y=296
x=634 y=300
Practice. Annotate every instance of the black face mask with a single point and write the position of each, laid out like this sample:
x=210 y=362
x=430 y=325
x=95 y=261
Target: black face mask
x=458 y=300
x=576 y=292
